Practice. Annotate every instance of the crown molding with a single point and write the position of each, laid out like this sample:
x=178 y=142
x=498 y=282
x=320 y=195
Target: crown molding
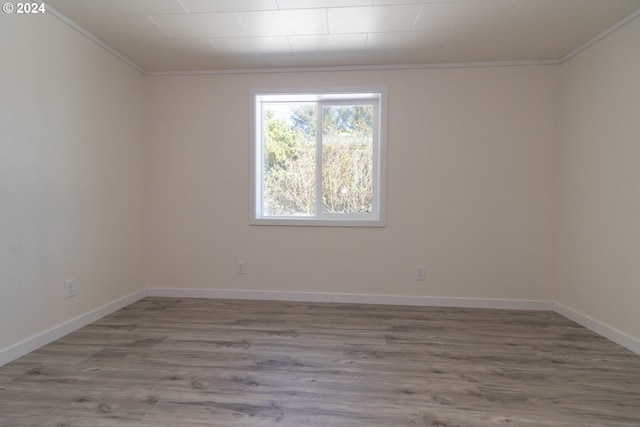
x=384 y=67
x=94 y=39
x=624 y=21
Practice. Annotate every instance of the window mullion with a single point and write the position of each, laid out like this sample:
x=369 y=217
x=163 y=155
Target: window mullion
x=376 y=157
x=319 y=121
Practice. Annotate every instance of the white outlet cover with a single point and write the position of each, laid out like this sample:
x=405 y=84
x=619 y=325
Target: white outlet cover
x=240 y=267
x=70 y=288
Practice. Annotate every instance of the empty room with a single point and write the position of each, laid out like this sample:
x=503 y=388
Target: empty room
x=377 y=213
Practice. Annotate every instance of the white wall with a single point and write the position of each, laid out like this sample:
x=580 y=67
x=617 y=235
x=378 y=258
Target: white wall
x=470 y=188
x=598 y=217
x=72 y=168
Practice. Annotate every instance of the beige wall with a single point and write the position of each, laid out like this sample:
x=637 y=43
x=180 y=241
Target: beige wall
x=489 y=170
x=470 y=188
x=598 y=217
x=72 y=129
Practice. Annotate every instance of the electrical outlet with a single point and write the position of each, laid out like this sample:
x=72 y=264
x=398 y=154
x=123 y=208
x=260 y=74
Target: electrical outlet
x=420 y=272
x=240 y=267
x=70 y=288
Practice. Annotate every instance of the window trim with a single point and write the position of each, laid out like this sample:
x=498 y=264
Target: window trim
x=324 y=96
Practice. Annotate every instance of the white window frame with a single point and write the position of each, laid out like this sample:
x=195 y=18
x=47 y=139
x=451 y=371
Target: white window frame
x=323 y=96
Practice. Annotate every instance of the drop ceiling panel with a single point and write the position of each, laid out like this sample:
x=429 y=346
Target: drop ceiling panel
x=489 y=15
x=275 y=61
x=136 y=7
x=587 y=17
x=191 y=54
x=73 y=8
x=412 y=40
x=477 y=46
x=395 y=2
x=284 y=22
x=253 y=45
x=208 y=6
x=328 y=43
x=122 y=29
x=372 y=19
x=368 y=58
x=200 y=25
x=308 y=4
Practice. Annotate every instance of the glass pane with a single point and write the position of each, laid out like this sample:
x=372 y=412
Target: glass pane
x=289 y=138
x=347 y=159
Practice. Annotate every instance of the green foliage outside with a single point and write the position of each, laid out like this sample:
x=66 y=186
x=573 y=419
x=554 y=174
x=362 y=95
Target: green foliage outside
x=290 y=160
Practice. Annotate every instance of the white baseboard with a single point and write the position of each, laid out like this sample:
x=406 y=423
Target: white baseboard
x=510 y=304
x=492 y=303
x=598 y=327
x=33 y=343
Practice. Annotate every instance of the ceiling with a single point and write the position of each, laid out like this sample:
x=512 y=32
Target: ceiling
x=188 y=35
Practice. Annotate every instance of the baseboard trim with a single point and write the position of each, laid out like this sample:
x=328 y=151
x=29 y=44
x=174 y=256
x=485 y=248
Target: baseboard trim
x=598 y=327
x=509 y=304
x=35 y=342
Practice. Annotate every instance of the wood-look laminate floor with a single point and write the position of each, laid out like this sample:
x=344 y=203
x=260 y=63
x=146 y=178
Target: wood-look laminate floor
x=192 y=362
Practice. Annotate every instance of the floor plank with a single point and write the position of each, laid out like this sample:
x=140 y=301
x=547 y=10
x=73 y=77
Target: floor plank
x=195 y=362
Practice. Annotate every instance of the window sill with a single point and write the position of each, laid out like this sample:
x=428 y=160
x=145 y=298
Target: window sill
x=312 y=222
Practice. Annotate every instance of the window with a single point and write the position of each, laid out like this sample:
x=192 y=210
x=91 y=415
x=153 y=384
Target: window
x=318 y=158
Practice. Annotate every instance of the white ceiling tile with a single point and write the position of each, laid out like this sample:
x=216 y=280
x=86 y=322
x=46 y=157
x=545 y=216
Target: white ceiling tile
x=136 y=7
x=201 y=25
x=314 y=60
x=117 y=28
x=392 y=2
x=275 y=61
x=328 y=43
x=284 y=22
x=441 y=16
x=170 y=55
x=567 y=24
x=253 y=45
x=209 y=6
x=308 y=4
x=372 y=19
x=478 y=45
x=404 y=40
x=369 y=58
x=484 y=14
x=72 y=8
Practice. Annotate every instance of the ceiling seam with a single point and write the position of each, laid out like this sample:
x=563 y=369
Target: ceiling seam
x=415 y=21
x=244 y=29
x=160 y=27
x=183 y=6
